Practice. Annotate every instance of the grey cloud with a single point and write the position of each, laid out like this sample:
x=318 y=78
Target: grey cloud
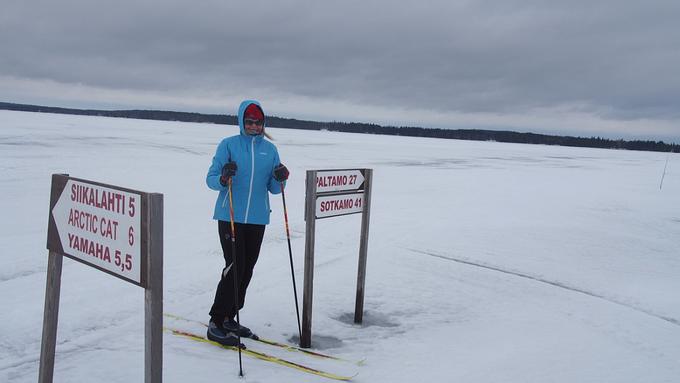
x=617 y=58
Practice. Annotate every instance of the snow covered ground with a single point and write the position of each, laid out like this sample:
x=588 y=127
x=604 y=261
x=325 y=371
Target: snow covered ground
x=488 y=262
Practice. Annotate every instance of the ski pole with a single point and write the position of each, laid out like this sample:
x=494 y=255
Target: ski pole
x=290 y=255
x=236 y=295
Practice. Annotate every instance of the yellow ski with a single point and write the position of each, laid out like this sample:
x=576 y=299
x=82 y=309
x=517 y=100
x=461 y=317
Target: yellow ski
x=261 y=356
x=277 y=344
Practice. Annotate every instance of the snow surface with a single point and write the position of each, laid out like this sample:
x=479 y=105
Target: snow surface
x=488 y=262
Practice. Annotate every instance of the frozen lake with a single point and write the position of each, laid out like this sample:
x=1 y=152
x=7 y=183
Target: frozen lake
x=488 y=262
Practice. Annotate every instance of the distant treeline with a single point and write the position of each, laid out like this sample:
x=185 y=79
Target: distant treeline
x=355 y=127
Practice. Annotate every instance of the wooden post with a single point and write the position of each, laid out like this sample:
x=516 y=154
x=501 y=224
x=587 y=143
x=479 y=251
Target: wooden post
x=153 y=293
x=310 y=217
x=363 y=248
x=50 y=317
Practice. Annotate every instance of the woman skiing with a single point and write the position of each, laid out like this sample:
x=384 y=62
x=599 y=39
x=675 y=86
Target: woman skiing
x=247 y=166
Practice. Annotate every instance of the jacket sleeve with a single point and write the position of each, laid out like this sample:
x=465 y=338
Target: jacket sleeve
x=215 y=170
x=273 y=185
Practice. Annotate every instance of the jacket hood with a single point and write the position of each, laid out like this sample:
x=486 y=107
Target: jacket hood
x=241 y=111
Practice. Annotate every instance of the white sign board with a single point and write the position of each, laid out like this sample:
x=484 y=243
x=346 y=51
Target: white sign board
x=339 y=180
x=101 y=226
x=331 y=193
x=334 y=205
x=118 y=231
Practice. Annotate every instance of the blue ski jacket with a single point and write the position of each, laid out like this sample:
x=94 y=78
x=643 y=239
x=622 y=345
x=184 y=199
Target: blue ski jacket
x=255 y=159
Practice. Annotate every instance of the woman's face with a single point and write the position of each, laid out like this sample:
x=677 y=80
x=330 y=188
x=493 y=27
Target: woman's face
x=253 y=127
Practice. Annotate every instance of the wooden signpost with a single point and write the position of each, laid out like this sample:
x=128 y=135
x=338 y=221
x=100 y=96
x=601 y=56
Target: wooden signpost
x=118 y=231
x=332 y=193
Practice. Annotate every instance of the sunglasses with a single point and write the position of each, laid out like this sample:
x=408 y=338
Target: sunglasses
x=248 y=121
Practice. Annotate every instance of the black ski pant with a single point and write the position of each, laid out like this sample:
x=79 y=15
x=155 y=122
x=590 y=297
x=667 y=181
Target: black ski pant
x=248 y=242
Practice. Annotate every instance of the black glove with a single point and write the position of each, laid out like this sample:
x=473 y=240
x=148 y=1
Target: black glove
x=281 y=173
x=228 y=171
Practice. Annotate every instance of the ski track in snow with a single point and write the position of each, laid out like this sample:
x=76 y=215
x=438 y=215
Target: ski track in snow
x=549 y=282
x=20 y=274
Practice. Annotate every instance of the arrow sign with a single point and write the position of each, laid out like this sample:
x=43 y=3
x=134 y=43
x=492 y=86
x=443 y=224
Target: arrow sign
x=99 y=225
x=328 y=181
x=342 y=204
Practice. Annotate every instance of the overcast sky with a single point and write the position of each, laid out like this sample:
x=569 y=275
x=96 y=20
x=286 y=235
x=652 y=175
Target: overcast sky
x=609 y=68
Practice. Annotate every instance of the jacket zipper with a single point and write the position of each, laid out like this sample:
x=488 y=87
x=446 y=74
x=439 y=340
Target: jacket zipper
x=224 y=202
x=252 y=175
